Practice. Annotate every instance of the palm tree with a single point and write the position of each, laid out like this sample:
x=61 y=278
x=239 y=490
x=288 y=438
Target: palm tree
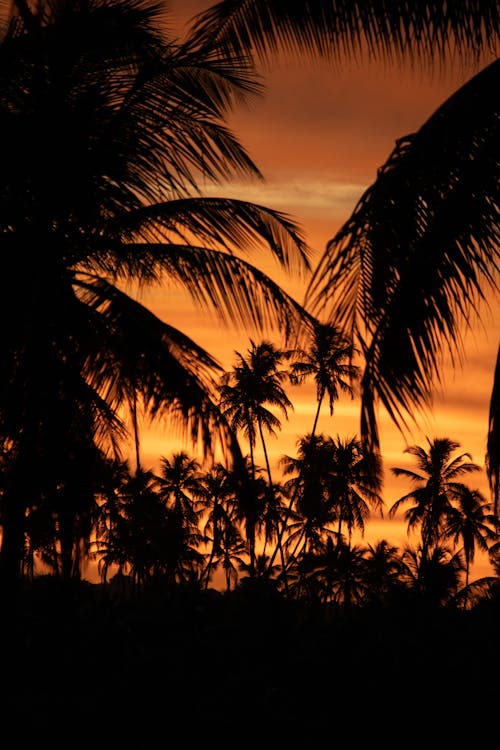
x=436 y=487
x=246 y=391
x=473 y=522
x=353 y=484
x=329 y=361
x=419 y=253
x=341 y=570
x=105 y=196
x=384 y=571
x=311 y=524
x=433 y=578
x=179 y=485
x=221 y=530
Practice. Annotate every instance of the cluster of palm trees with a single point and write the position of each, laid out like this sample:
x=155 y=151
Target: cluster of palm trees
x=111 y=129
x=186 y=526
x=194 y=526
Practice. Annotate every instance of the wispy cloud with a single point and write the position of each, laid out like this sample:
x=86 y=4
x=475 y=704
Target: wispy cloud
x=304 y=196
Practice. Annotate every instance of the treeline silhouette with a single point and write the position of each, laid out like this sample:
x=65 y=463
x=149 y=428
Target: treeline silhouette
x=218 y=527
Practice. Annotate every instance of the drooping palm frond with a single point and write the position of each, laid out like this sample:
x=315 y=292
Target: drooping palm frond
x=421 y=31
x=233 y=225
x=493 y=441
x=137 y=353
x=420 y=253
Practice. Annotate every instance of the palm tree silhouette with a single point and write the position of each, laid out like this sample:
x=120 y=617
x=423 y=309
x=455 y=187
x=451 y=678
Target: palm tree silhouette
x=126 y=122
x=246 y=391
x=353 y=484
x=384 y=572
x=329 y=361
x=436 y=487
x=420 y=251
x=472 y=522
x=221 y=529
x=179 y=485
x=311 y=523
x=434 y=578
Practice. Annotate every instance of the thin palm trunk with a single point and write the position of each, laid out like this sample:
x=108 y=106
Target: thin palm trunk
x=279 y=545
x=281 y=532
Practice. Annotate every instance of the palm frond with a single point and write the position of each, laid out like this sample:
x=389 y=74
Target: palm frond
x=230 y=287
x=174 y=376
x=416 y=259
x=420 y=31
x=233 y=225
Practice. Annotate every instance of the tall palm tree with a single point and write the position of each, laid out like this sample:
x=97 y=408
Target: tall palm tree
x=254 y=384
x=179 y=485
x=353 y=485
x=110 y=127
x=419 y=253
x=217 y=494
x=329 y=361
x=473 y=523
x=435 y=488
x=312 y=521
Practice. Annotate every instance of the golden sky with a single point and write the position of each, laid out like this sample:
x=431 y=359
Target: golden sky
x=319 y=136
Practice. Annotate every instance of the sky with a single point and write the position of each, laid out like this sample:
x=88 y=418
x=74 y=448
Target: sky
x=319 y=136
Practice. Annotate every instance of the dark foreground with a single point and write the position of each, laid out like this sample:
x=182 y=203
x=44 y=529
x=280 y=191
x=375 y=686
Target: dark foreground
x=85 y=666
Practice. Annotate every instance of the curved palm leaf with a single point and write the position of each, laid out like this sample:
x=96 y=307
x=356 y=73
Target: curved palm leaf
x=419 y=253
x=421 y=31
x=138 y=352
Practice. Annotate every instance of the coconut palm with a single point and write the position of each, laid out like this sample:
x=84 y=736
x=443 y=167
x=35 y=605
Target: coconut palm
x=435 y=488
x=384 y=570
x=254 y=384
x=311 y=524
x=179 y=486
x=419 y=253
x=329 y=361
x=472 y=522
x=110 y=128
x=433 y=578
x=221 y=529
x=353 y=485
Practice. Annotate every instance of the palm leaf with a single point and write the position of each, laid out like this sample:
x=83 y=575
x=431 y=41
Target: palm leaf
x=239 y=293
x=416 y=259
x=391 y=30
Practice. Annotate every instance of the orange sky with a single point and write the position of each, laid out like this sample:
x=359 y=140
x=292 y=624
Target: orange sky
x=319 y=136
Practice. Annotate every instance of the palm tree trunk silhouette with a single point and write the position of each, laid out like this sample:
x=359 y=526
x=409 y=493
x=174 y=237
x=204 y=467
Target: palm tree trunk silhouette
x=279 y=543
x=272 y=495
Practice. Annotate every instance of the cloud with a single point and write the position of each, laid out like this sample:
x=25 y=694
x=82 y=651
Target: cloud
x=307 y=196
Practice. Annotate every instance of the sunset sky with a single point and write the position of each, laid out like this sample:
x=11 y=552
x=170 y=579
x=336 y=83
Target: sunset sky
x=319 y=136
